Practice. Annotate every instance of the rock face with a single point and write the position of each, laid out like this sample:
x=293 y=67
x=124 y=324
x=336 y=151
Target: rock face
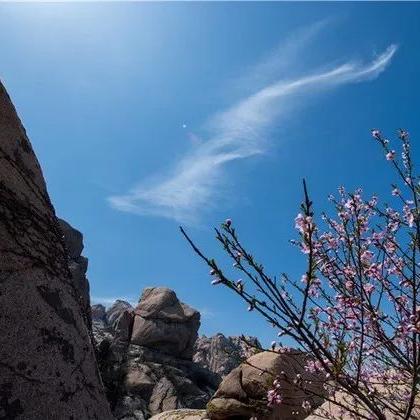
x=47 y=363
x=78 y=264
x=162 y=321
x=116 y=310
x=222 y=354
x=242 y=394
x=145 y=357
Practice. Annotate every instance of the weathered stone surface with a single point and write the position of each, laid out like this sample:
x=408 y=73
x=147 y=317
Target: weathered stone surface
x=73 y=239
x=163 y=322
x=131 y=407
x=99 y=313
x=242 y=393
x=165 y=382
x=47 y=364
x=78 y=264
x=221 y=354
x=145 y=380
x=182 y=414
x=123 y=326
x=117 y=308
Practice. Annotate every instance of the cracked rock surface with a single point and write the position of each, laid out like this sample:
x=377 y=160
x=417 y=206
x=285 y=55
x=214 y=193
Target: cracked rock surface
x=222 y=354
x=243 y=392
x=47 y=361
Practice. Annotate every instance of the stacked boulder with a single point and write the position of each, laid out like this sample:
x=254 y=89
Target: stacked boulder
x=162 y=322
x=145 y=356
x=243 y=393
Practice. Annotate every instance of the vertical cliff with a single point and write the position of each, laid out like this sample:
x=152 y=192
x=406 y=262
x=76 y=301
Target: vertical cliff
x=47 y=363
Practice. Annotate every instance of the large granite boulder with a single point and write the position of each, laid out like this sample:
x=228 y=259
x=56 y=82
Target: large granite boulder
x=162 y=322
x=47 y=363
x=243 y=392
x=222 y=354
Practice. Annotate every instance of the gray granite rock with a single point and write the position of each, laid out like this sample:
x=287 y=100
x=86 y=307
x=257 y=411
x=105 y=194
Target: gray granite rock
x=47 y=363
x=78 y=264
x=117 y=308
x=164 y=323
x=243 y=392
x=222 y=354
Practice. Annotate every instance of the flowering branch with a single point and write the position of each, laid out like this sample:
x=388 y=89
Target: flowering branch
x=356 y=309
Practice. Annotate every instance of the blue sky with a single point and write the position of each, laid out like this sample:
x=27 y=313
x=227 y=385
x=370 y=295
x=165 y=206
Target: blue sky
x=145 y=116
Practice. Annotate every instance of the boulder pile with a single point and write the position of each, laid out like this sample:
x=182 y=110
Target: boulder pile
x=145 y=356
x=47 y=360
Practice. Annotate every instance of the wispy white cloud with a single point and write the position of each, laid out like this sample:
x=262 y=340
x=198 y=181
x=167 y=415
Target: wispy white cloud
x=195 y=183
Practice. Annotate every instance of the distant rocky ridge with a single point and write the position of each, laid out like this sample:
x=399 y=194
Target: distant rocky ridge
x=222 y=354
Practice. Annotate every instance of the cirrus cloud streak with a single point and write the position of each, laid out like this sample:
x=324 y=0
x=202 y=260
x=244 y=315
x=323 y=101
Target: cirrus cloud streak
x=194 y=184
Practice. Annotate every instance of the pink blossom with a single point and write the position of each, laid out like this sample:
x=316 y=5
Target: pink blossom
x=390 y=246
x=390 y=155
x=300 y=222
x=314 y=366
x=369 y=288
x=274 y=398
x=374 y=270
x=349 y=285
x=376 y=134
x=306 y=405
x=366 y=257
x=408 y=215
